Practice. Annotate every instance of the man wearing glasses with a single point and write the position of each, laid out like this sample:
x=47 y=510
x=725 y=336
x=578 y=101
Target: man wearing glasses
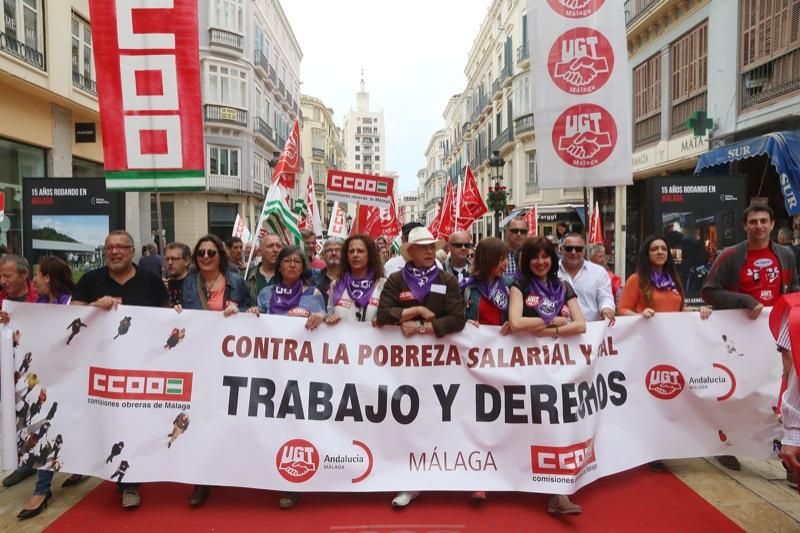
x=176 y=255
x=516 y=233
x=460 y=244
x=590 y=281
x=121 y=282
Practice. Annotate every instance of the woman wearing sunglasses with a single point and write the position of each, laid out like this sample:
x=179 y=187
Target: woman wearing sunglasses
x=544 y=306
x=211 y=286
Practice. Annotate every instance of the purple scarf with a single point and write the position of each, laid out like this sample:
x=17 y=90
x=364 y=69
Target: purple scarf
x=497 y=292
x=359 y=289
x=662 y=281
x=551 y=298
x=63 y=299
x=420 y=280
x=284 y=298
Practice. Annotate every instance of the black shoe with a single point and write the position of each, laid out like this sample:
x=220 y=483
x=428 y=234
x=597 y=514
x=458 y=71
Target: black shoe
x=288 y=500
x=729 y=461
x=30 y=513
x=74 y=479
x=656 y=466
x=17 y=476
x=199 y=495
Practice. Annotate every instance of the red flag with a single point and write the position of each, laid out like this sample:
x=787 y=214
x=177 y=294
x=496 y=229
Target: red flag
x=595 y=230
x=472 y=205
x=379 y=221
x=289 y=162
x=532 y=218
x=445 y=222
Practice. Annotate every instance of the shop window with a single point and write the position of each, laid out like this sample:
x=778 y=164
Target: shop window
x=17 y=160
x=221 y=218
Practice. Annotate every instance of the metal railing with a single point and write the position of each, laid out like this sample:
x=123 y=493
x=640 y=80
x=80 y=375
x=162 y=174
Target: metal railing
x=261 y=61
x=84 y=83
x=496 y=88
x=260 y=126
x=523 y=123
x=272 y=76
x=634 y=9
x=505 y=137
x=280 y=141
x=318 y=152
x=647 y=130
x=219 y=182
x=281 y=89
x=227 y=115
x=226 y=39
x=21 y=51
x=774 y=79
x=523 y=54
x=683 y=111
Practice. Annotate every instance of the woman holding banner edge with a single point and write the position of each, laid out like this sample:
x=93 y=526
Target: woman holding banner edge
x=544 y=306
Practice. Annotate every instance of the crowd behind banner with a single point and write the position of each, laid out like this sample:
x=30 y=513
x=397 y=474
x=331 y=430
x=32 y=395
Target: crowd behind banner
x=524 y=285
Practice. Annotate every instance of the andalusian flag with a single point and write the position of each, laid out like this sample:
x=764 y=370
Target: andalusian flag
x=278 y=218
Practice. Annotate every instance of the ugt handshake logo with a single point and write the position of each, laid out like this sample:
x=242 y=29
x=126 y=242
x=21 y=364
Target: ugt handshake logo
x=584 y=135
x=581 y=61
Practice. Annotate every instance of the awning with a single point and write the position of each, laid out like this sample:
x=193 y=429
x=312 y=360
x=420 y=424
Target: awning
x=783 y=149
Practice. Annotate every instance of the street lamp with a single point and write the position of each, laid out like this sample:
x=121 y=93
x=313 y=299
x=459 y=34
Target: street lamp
x=496 y=200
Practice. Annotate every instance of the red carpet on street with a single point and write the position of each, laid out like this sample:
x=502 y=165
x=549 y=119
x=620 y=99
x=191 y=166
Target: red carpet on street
x=637 y=500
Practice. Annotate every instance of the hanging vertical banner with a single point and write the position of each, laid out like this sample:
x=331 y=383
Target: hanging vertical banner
x=338 y=225
x=580 y=63
x=148 y=84
x=532 y=218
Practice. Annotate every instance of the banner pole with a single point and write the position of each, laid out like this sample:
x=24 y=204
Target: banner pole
x=161 y=236
x=8 y=425
x=585 y=211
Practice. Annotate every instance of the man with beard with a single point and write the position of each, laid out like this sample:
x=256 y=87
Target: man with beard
x=310 y=244
x=332 y=254
x=264 y=275
x=177 y=256
x=121 y=282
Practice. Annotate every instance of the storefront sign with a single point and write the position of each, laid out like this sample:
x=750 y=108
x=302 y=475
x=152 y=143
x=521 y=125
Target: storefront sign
x=666 y=152
x=85 y=132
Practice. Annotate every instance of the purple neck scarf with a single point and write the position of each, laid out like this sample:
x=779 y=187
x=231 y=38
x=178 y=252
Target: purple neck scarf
x=552 y=296
x=497 y=292
x=284 y=298
x=420 y=280
x=662 y=281
x=359 y=289
x=63 y=299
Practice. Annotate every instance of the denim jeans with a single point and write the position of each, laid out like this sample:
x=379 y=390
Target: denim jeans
x=44 y=479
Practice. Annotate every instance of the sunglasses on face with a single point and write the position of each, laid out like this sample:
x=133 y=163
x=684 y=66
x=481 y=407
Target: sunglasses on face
x=461 y=244
x=203 y=252
x=578 y=249
x=518 y=231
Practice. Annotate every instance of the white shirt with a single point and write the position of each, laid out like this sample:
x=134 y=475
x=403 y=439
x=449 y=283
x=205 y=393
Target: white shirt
x=396 y=264
x=593 y=287
x=790 y=406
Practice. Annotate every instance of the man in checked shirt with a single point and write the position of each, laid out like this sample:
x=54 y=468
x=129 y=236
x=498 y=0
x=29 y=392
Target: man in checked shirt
x=790 y=409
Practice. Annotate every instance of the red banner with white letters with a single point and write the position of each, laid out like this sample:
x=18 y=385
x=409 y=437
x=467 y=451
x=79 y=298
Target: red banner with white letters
x=367 y=189
x=148 y=83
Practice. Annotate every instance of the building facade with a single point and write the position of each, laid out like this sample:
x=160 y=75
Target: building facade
x=365 y=137
x=322 y=147
x=407 y=208
x=250 y=65
x=433 y=181
x=47 y=86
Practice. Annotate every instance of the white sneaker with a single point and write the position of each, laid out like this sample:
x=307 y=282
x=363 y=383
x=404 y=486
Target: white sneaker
x=404 y=498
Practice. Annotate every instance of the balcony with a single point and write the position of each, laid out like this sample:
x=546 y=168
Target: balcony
x=523 y=124
x=219 y=182
x=281 y=89
x=635 y=9
x=272 y=78
x=226 y=39
x=225 y=115
x=84 y=83
x=505 y=137
x=506 y=74
x=523 y=54
x=21 y=51
x=318 y=152
x=771 y=80
x=261 y=127
x=280 y=141
x=496 y=92
x=260 y=61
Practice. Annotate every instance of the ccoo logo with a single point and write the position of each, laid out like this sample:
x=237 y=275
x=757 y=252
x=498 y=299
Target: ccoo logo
x=575 y=9
x=297 y=460
x=584 y=135
x=665 y=382
x=580 y=61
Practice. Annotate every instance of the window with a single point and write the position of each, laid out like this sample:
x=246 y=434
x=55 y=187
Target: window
x=226 y=86
x=532 y=179
x=522 y=97
x=358 y=157
x=22 y=21
x=223 y=161
x=358 y=148
x=228 y=15
x=647 y=101
x=81 y=47
x=319 y=174
x=317 y=114
x=318 y=138
x=358 y=166
x=689 y=68
x=377 y=158
x=262 y=43
x=221 y=218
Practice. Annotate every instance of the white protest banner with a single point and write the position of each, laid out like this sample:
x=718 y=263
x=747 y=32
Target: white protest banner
x=366 y=189
x=579 y=60
x=240 y=229
x=263 y=402
x=338 y=224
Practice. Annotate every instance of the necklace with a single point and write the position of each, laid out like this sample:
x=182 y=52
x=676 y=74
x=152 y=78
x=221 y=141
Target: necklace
x=208 y=290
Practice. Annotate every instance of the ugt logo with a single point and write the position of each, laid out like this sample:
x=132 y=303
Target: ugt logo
x=297 y=460
x=580 y=61
x=575 y=8
x=584 y=135
x=665 y=382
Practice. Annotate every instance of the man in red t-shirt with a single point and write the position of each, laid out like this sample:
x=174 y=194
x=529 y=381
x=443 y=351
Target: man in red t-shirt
x=752 y=275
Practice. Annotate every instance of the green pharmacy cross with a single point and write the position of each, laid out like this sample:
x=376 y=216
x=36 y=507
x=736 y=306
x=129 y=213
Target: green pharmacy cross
x=700 y=123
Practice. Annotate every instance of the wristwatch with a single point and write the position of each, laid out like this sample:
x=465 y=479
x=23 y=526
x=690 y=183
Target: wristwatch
x=421 y=326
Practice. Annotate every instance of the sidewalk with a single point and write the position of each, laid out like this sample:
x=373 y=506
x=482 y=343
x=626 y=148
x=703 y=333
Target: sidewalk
x=757 y=498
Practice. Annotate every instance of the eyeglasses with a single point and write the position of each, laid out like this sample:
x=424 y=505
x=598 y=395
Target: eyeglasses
x=461 y=244
x=173 y=259
x=291 y=261
x=578 y=249
x=518 y=231
x=202 y=252
x=118 y=248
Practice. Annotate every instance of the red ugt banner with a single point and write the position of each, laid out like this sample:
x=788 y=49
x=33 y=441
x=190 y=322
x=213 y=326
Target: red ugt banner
x=148 y=83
